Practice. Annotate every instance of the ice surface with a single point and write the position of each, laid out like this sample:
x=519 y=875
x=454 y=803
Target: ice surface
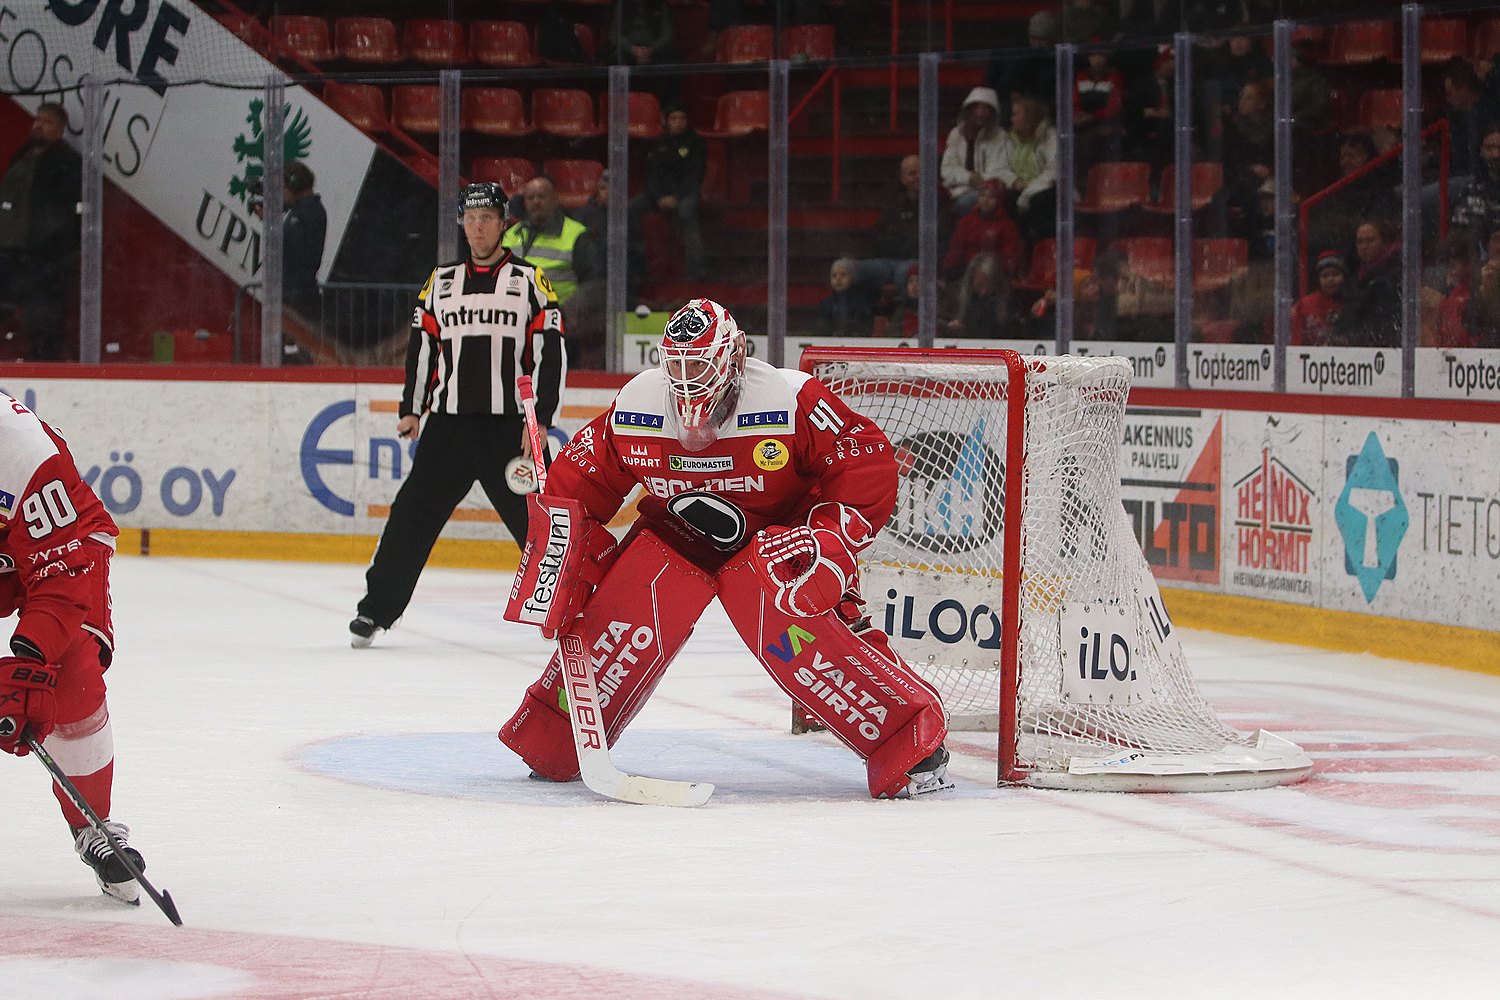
x=342 y=823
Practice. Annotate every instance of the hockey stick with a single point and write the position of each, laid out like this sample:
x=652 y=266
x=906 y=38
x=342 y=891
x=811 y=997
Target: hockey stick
x=594 y=764
x=162 y=899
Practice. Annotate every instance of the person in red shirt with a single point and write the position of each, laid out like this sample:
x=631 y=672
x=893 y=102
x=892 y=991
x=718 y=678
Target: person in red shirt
x=1316 y=314
x=986 y=229
x=1459 y=254
x=56 y=540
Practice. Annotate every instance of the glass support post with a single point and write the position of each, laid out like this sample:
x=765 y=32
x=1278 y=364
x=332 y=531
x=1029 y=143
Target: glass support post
x=272 y=205
x=1065 y=189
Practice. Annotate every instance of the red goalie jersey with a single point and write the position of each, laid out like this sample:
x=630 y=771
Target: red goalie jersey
x=53 y=530
x=788 y=445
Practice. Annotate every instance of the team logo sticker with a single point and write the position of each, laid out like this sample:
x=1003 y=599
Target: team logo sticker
x=771 y=454
x=700 y=463
x=714 y=517
x=7 y=503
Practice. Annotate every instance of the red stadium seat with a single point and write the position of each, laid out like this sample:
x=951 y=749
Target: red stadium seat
x=1356 y=42
x=643 y=112
x=1149 y=257
x=741 y=112
x=1207 y=179
x=1217 y=261
x=501 y=43
x=417 y=108
x=742 y=43
x=1381 y=108
x=1486 y=39
x=435 y=42
x=563 y=112
x=510 y=172
x=370 y=40
x=362 y=104
x=304 y=37
x=494 y=111
x=808 y=41
x=247 y=29
x=575 y=180
x=1444 y=38
x=1043 y=273
x=1114 y=187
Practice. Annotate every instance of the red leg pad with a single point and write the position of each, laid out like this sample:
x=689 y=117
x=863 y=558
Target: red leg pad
x=633 y=626
x=855 y=686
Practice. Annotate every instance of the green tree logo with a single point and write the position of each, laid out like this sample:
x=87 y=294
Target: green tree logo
x=296 y=143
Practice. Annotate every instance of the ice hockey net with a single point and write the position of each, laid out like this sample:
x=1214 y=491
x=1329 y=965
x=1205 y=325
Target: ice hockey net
x=1025 y=599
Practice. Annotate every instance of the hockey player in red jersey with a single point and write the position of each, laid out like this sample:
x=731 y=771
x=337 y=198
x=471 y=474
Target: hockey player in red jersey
x=761 y=487
x=55 y=543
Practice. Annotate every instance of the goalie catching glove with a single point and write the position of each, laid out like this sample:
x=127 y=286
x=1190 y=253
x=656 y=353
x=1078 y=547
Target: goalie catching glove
x=810 y=568
x=567 y=553
x=28 y=694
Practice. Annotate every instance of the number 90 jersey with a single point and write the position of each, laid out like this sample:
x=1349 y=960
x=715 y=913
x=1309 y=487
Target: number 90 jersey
x=55 y=538
x=788 y=444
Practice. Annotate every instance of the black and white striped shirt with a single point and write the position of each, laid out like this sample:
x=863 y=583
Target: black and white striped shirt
x=475 y=330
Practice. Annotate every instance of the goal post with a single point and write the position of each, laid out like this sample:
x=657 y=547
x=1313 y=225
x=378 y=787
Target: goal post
x=1010 y=578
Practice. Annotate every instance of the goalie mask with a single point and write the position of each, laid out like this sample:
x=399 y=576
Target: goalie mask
x=703 y=358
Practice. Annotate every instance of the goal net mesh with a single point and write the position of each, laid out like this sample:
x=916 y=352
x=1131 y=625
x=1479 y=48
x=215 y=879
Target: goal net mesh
x=935 y=577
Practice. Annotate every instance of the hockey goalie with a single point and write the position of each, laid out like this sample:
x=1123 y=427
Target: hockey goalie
x=760 y=489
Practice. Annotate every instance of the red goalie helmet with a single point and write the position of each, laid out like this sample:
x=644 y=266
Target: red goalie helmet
x=702 y=356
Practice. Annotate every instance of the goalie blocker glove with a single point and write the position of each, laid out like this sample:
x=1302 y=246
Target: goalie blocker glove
x=809 y=568
x=567 y=553
x=28 y=694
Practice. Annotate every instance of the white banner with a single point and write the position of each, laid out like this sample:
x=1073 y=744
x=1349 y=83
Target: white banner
x=1458 y=374
x=184 y=152
x=1344 y=371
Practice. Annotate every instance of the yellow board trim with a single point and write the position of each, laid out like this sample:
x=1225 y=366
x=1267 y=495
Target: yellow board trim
x=1346 y=631
x=455 y=552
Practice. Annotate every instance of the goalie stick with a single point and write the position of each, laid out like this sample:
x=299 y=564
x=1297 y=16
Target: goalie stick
x=600 y=775
x=163 y=900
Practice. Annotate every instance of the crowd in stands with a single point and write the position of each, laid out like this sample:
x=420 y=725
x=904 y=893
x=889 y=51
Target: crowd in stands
x=997 y=192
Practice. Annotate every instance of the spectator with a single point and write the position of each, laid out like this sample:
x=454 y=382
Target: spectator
x=1098 y=97
x=1242 y=61
x=1482 y=318
x=983 y=308
x=675 y=164
x=1478 y=203
x=986 y=229
x=304 y=229
x=1466 y=109
x=1028 y=168
x=551 y=240
x=973 y=150
x=897 y=231
x=1088 y=21
x=1150 y=116
x=641 y=34
x=1032 y=73
x=1310 y=90
x=1315 y=315
x=845 y=311
x=1459 y=254
x=1372 y=309
x=557 y=41
x=905 y=308
x=1249 y=151
x=1365 y=192
x=39 y=231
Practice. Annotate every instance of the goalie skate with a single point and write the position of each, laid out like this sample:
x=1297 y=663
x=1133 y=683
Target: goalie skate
x=930 y=774
x=113 y=877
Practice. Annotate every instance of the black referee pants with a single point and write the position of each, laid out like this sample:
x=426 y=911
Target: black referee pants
x=453 y=452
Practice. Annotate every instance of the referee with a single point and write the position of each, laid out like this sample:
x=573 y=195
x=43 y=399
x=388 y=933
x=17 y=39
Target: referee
x=479 y=323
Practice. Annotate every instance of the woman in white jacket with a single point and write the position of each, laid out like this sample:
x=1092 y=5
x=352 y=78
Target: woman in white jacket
x=974 y=150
